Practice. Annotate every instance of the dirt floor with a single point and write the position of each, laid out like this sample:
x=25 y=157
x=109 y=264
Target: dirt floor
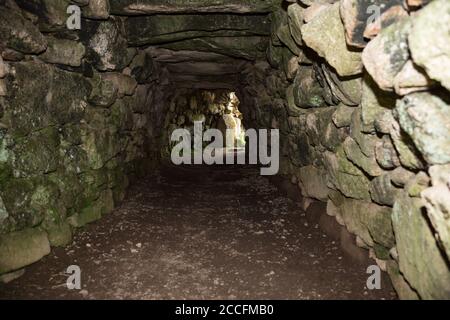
x=201 y=233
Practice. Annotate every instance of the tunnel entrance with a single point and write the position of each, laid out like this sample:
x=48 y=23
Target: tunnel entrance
x=355 y=114
x=210 y=109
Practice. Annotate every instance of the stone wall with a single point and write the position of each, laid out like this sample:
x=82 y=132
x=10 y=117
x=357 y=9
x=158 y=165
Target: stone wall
x=83 y=111
x=364 y=117
x=362 y=106
x=77 y=110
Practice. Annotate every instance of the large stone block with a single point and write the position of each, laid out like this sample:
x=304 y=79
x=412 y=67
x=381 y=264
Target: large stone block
x=313 y=183
x=347 y=90
x=426 y=118
x=97 y=9
x=385 y=56
x=369 y=221
x=36 y=153
x=154 y=29
x=420 y=259
x=18 y=33
x=374 y=102
x=21 y=248
x=284 y=34
x=342 y=117
x=62 y=51
x=51 y=15
x=345 y=176
x=355 y=155
x=432 y=52
x=382 y=190
x=307 y=91
x=295 y=19
x=103 y=205
x=403 y=289
x=325 y=35
x=107 y=47
x=437 y=202
x=42 y=96
x=139 y=7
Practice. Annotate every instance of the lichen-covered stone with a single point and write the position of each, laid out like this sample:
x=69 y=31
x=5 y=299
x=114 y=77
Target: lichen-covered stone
x=103 y=205
x=18 y=33
x=165 y=28
x=345 y=176
x=101 y=145
x=284 y=34
x=307 y=91
x=275 y=55
x=124 y=84
x=62 y=51
x=369 y=221
x=403 y=289
x=386 y=154
x=347 y=90
x=295 y=19
x=16 y=195
x=107 y=46
x=139 y=7
x=408 y=154
x=313 y=183
x=382 y=190
x=342 y=117
x=97 y=9
x=250 y=47
x=103 y=93
x=51 y=15
x=374 y=102
x=400 y=176
x=21 y=248
x=36 y=154
x=420 y=259
x=325 y=35
x=355 y=155
x=426 y=118
x=59 y=235
x=43 y=95
x=437 y=202
x=385 y=56
x=432 y=52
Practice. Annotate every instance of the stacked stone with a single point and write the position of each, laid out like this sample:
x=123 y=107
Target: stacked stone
x=186 y=106
x=364 y=121
x=74 y=114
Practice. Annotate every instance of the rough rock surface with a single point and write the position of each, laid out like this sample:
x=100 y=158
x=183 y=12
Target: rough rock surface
x=432 y=53
x=331 y=45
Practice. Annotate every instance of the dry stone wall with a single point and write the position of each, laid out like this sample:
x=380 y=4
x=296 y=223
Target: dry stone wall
x=76 y=114
x=363 y=110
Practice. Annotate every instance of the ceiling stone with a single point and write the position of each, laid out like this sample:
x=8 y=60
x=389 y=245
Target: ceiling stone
x=139 y=7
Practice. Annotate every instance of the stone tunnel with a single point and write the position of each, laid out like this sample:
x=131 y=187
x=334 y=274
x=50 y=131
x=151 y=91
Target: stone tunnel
x=91 y=91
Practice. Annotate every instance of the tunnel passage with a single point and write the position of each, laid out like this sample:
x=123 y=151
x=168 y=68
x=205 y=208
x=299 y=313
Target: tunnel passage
x=361 y=105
